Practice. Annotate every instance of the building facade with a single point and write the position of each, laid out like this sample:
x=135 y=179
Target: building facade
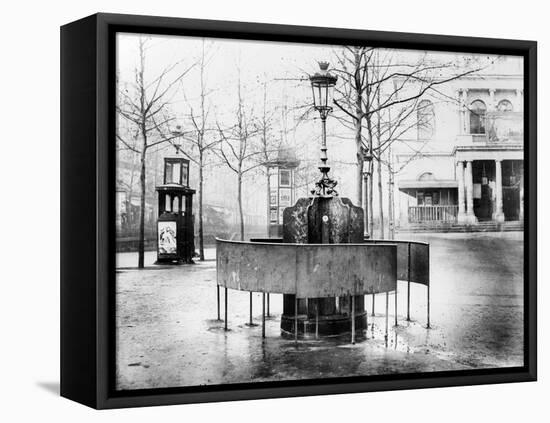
x=464 y=163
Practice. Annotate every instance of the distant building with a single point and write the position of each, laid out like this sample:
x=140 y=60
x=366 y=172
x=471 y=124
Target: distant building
x=464 y=164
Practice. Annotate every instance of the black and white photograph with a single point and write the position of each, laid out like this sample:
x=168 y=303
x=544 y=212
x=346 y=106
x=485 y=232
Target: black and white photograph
x=296 y=212
x=275 y=212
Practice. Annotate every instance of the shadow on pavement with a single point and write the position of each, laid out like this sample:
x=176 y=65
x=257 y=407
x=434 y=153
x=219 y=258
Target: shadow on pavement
x=51 y=387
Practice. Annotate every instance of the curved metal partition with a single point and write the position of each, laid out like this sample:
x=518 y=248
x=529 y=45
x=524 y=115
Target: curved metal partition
x=307 y=270
x=321 y=270
x=413 y=265
x=413 y=260
x=412 y=256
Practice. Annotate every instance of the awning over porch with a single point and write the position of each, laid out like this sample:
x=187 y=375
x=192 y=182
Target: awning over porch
x=496 y=151
x=427 y=184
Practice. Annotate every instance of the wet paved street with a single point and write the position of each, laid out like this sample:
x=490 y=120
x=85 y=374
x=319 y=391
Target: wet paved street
x=168 y=335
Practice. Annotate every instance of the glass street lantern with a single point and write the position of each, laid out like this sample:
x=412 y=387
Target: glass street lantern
x=175 y=232
x=322 y=85
x=176 y=171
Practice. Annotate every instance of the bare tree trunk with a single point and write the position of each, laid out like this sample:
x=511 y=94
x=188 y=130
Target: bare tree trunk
x=358 y=129
x=268 y=180
x=141 y=240
x=142 y=176
x=391 y=210
x=391 y=194
x=370 y=205
x=366 y=198
x=132 y=176
x=201 y=157
x=379 y=163
x=240 y=201
x=359 y=180
x=380 y=193
x=201 y=228
x=131 y=192
x=371 y=179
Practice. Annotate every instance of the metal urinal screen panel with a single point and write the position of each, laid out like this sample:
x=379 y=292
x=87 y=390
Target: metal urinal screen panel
x=309 y=271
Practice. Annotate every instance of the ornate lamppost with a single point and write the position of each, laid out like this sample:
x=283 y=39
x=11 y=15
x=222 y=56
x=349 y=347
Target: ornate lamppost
x=322 y=85
x=323 y=218
x=367 y=159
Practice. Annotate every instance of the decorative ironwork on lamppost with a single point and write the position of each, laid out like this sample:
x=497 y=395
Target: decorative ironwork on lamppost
x=322 y=85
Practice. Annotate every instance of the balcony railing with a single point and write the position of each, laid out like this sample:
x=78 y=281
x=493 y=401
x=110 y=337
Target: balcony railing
x=419 y=214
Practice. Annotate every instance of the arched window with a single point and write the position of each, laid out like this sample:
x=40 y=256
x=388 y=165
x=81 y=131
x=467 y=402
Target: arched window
x=425 y=119
x=505 y=106
x=477 y=117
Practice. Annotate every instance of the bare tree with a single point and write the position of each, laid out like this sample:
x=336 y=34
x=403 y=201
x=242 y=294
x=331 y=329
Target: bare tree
x=203 y=137
x=394 y=130
x=126 y=154
x=374 y=82
x=145 y=104
x=391 y=203
x=269 y=145
x=238 y=149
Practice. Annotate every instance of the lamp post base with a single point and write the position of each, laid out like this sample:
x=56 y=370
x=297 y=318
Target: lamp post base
x=321 y=317
x=335 y=325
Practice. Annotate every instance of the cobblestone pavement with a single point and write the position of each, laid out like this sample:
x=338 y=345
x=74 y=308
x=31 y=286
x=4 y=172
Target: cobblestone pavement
x=168 y=335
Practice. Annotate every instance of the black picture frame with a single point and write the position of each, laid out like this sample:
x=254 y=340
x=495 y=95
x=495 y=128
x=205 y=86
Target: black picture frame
x=88 y=209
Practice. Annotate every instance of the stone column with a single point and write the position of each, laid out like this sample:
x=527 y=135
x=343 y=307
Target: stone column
x=469 y=194
x=461 y=218
x=492 y=104
x=498 y=214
